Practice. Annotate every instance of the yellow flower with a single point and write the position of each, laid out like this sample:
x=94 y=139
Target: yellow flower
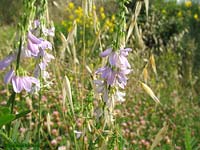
x=71 y=17
x=164 y=11
x=103 y=16
x=90 y=14
x=91 y=22
x=71 y=5
x=78 y=20
x=113 y=18
x=188 y=4
x=96 y=33
x=111 y=30
x=63 y=23
x=196 y=17
x=94 y=7
x=109 y=23
x=79 y=11
x=101 y=9
x=179 y=14
x=69 y=29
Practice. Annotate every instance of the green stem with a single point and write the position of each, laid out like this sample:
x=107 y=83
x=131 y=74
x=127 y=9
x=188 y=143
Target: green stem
x=13 y=95
x=75 y=141
x=39 y=119
x=19 y=53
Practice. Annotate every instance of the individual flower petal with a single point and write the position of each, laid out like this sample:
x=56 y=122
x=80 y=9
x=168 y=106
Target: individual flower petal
x=7 y=61
x=45 y=75
x=125 y=71
x=34 y=49
x=125 y=51
x=33 y=38
x=119 y=96
x=123 y=62
x=113 y=58
x=36 y=23
x=9 y=76
x=78 y=133
x=48 y=57
x=100 y=70
x=25 y=53
x=45 y=45
x=111 y=77
x=106 y=52
x=50 y=32
x=27 y=84
x=121 y=80
x=35 y=81
x=43 y=65
x=106 y=72
x=17 y=84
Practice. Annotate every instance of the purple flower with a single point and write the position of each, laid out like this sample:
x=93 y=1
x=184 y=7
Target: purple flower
x=17 y=84
x=25 y=53
x=121 y=78
x=45 y=45
x=20 y=83
x=9 y=76
x=117 y=59
x=114 y=58
x=114 y=77
x=50 y=32
x=119 y=96
x=33 y=38
x=108 y=74
x=33 y=48
x=46 y=59
x=106 y=52
x=36 y=23
x=125 y=51
x=36 y=44
x=7 y=61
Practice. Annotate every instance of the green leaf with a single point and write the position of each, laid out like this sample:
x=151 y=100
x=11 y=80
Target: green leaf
x=22 y=114
x=7 y=118
x=4 y=110
x=6 y=138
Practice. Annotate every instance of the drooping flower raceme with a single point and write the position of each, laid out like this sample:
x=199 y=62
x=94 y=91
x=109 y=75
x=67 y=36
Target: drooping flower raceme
x=36 y=48
x=113 y=77
x=114 y=74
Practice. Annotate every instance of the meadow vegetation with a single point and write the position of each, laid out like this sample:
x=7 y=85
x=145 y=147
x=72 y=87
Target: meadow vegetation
x=157 y=109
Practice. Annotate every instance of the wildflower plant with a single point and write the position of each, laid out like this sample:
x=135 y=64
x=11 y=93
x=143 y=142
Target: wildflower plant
x=113 y=75
x=28 y=63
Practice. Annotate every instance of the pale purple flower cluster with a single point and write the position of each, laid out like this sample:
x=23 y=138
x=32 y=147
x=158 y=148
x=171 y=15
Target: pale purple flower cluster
x=36 y=47
x=117 y=69
x=114 y=74
x=20 y=83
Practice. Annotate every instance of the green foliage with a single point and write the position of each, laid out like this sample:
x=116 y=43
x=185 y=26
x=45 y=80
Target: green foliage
x=10 y=10
x=190 y=142
x=171 y=33
x=5 y=116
